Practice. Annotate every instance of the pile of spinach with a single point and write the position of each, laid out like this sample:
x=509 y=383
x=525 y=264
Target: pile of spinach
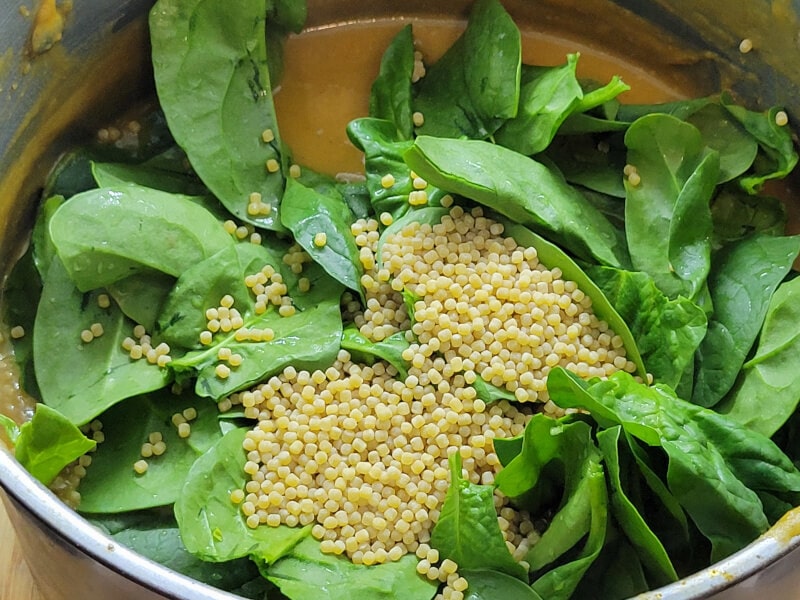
x=650 y=481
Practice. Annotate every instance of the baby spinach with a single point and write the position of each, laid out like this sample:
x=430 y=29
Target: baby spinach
x=309 y=339
x=111 y=485
x=768 y=389
x=667 y=332
x=521 y=189
x=306 y=572
x=48 y=443
x=81 y=380
x=390 y=98
x=745 y=274
x=41 y=243
x=155 y=534
x=475 y=86
x=10 y=428
x=621 y=471
x=716 y=467
x=105 y=235
x=167 y=172
x=383 y=155
x=737 y=215
x=362 y=349
x=467 y=531
x=582 y=163
x=21 y=293
x=141 y=296
x=775 y=141
x=307 y=213
x=490 y=393
x=667 y=214
x=485 y=584
x=202 y=286
x=212 y=79
x=212 y=527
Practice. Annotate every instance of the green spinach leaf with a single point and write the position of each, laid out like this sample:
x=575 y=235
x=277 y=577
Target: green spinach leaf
x=308 y=573
x=721 y=132
x=390 y=98
x=307 y=213
x=105 y=235
x=168 y=172
x=678 y=176
x=48 y=443
x=365 y=350
x=475 y=86
x=467 y=531
x=667 y=332
x=744 y=276
x=212 y=79
x=112 y=486
x=212 y=527
x=141 y=296
x=768 y=389
x=521 y=189
x=81 y=380
x=485 y=584
x=737 y=215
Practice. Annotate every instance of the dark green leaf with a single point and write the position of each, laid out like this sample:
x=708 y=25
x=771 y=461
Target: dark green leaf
x=490 y=393
x=105 y=235
x=737 y=215
x=667 y=332
x=474 y=87
x=289 y=14
x=768 y=389
x=212 y=79
x=521 y=189
x=744 y=276
x=111 y=485
x=212 y=527
x=390 y=98
x=485 y=584
x=82 y=380
x=141 y=296
x=667 y=215
x=721 y=132
x=308 y=573
x=307 y=213
x=467 y=531
x=166 y=172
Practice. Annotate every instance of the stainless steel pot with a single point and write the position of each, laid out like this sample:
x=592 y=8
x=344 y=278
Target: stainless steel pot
x=102 y=59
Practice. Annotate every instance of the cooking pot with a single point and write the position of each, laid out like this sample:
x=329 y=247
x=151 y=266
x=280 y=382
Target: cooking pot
x=49 y=100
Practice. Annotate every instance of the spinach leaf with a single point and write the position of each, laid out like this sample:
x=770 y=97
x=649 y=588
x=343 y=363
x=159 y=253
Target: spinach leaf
x=141 y=296
x=309 y=339
x=467 y=531
x=155 y=534
x=521 y=189
x=721 y=132
x=552 y=256
x=715 y=466
x=768 y=389
x=741 y=283
x=667 y=332
x=667 y=215
x=475 y=86
x=547 y=96
x=105 y=235
x=779 y=155
x=588 y=496
x=202 y=285
x=490 y=393
x=42 y=244
x=20 y=303
x=584 y=162
x=82 y=380
x=167 y=172
x=72 y=174
x=390 y=98
x=289 y=14
x=737 y=215
x=221 y=48
x=559 y=456
x=212 y=527
x=485 y=584
x=383 y=155
x=112 y=486
x=365 y=350
x=307 y=213
x=308 y=573
x=48 y=443
x=621 y=469
x=10 y=428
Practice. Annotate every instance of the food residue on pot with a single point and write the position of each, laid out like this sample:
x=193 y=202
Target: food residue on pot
x=48 y=25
